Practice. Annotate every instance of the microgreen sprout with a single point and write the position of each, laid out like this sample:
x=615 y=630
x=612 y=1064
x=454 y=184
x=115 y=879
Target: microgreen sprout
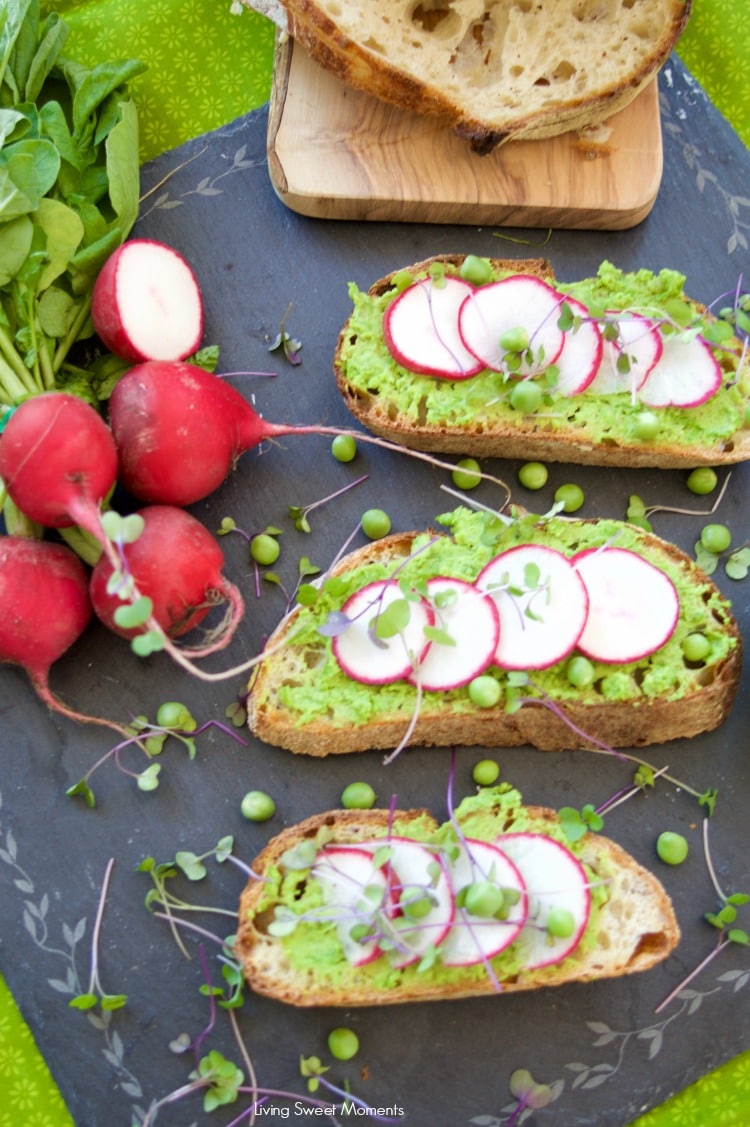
x=290 y=347
x=529 y=1094
x=300 y=513
x=639 y=513
x=95 y=993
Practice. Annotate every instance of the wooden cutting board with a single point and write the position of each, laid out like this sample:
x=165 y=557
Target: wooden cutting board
x=335 y=153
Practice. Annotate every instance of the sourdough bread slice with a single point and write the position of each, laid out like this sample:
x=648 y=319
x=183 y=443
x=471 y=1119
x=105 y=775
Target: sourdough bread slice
x=631 y=928
x=474 y=416
x=494 y=70
x=300 y=699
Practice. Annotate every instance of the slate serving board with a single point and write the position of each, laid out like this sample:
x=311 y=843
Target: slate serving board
x=605 y=1052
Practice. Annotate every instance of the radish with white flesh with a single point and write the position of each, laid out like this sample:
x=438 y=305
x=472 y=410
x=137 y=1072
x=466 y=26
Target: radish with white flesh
x=471 y=621
x=520 y=309
x=686 y=374
x=633 y=606
x=421 y=899
x=421 y=329
x=176 y=563
x=354 y=891
x=581 y=354
x=559 y=897
x=361 y=651
x=147 y=304
x=542 y=602
x=485 y=878
x=627 y=361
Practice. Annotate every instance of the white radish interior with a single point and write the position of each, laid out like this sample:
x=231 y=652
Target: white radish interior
x=471 y=620
x=686 y=374
x=517 y=302
x=158 y=301
x=344 y=875
x=474 y=939
x=633 y=605
x=554 y=878
x=581 y=355
x=537 y=627
x=421 y=329
x=412 y=873
x=641 y=342
x=383 y=660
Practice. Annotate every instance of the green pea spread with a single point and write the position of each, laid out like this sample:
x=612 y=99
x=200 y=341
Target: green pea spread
x=320 y=688
x=484 y=399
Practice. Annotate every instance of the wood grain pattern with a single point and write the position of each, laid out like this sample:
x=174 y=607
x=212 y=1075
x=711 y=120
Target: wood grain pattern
x=335 y=153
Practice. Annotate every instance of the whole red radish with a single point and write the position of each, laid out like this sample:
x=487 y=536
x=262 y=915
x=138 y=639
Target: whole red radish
x=147 y=304
x=58 y=461
x=176 y=563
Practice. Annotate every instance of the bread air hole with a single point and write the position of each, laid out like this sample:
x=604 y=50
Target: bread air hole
x=436 y=19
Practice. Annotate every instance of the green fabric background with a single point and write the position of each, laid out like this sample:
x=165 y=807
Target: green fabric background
x=209 y=62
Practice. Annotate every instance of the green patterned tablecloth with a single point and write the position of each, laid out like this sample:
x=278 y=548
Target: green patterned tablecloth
x=208 y=64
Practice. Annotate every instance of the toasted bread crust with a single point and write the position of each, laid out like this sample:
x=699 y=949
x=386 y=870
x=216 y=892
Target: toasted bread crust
x=525 y=439
x=636 y=928
x=586 y=724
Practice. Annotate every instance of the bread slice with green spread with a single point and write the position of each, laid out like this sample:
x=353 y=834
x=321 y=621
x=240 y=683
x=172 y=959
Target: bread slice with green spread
x=643 y=375
x=574 y=683
x=363 y=908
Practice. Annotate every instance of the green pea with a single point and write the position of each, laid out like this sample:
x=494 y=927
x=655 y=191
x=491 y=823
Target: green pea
x=647 y=425
x=415 y=907
x=344 y=447
x=695 y=647
x=702 y=481
x=257 y=806
x=484 y=899
x=484 y=691
x=580 y=672
x=343 y=1043
x=486 y=772
x=264 y=549
x=716 y=538
x=571 y=497
x=358 y=796
x=467 y=474
x=533 y=475
x=476 y=270
x=375 y=524
x=671 y=847
x=515 y=340
x=560 y=923
x=526 y=397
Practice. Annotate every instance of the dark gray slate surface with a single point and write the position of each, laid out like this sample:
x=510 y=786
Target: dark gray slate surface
x=601 y=1047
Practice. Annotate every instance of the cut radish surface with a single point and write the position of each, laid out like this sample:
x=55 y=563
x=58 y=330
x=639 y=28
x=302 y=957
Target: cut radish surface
x=471 y=620
x=686 y=374
x=417 y=873
x=558 y=893
x=474 y=938
x=633 y=605
x=501 y=309
x=147 y=304
x=581 y=355
x=542 y=602
x=640 y=342
x=374 y=660
x=354 y=891
x=421 y=329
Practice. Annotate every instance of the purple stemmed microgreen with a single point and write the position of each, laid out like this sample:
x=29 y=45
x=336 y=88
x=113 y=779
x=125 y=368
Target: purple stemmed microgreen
x=95 y=994
x=287 y=343
x=530 y=1095
x=300 y=513
x=639 y=513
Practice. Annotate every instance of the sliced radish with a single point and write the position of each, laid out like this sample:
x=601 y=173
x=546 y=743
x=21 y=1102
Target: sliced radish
x=471 y=620
x=633 y=605
x=581 y=354
x=147 y=304
x=555 y=882
x=378 y=661
x=520 y=302
x=686 y=374
x=416 y=872
x=542 y=603
x=476 y=938
x=421 y=329
x=640 y=341
x=354 y=891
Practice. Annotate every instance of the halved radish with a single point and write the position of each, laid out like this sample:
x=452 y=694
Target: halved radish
x=519 y=302
x=421 y=329
x=686 y=374
x=354 y=891
x=470 y=618
x=374 y=660
x=581 y=354
x=633 y=605
x=542 y=603
x=474 y=938
x=147 y=304
x=556 y=882
x=415 y=873
x=640 y=341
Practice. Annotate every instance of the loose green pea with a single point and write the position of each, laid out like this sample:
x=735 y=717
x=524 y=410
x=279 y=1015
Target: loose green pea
x=344 y=448
x=571 y=497
x=264 y=549
x=467 y=474
x=526 y=397
x=485 y=773
x=533 y=475
x=671 y=847
x=484 y=691
x=358 y=796
x=257 y=806
x=695 y=647
x=702 y=481
x=716 y=538
x=375 y=524
x=343 y=1043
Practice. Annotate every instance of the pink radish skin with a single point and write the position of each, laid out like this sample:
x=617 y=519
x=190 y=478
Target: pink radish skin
x=177 y=563
x=686 y=374
x=633 y=606
x=581 y=354
x=421 y=329
x=389 y=659
x=147 y=304
x=474 y=939
x=519 y=301
x=472 y=622
x=345 y=873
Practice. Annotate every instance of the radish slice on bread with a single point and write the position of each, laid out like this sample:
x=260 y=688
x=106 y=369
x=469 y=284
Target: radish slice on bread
x=542 y=602
x=374 y=660
x=580 y=359
x=471 y=621
x=627 y=361
x=559 y=898
x=686 y=374
x=633 y=605
x=421 y=329
x=479 y=871
x=354 y=890
x=421 y=899
x=518 y=303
